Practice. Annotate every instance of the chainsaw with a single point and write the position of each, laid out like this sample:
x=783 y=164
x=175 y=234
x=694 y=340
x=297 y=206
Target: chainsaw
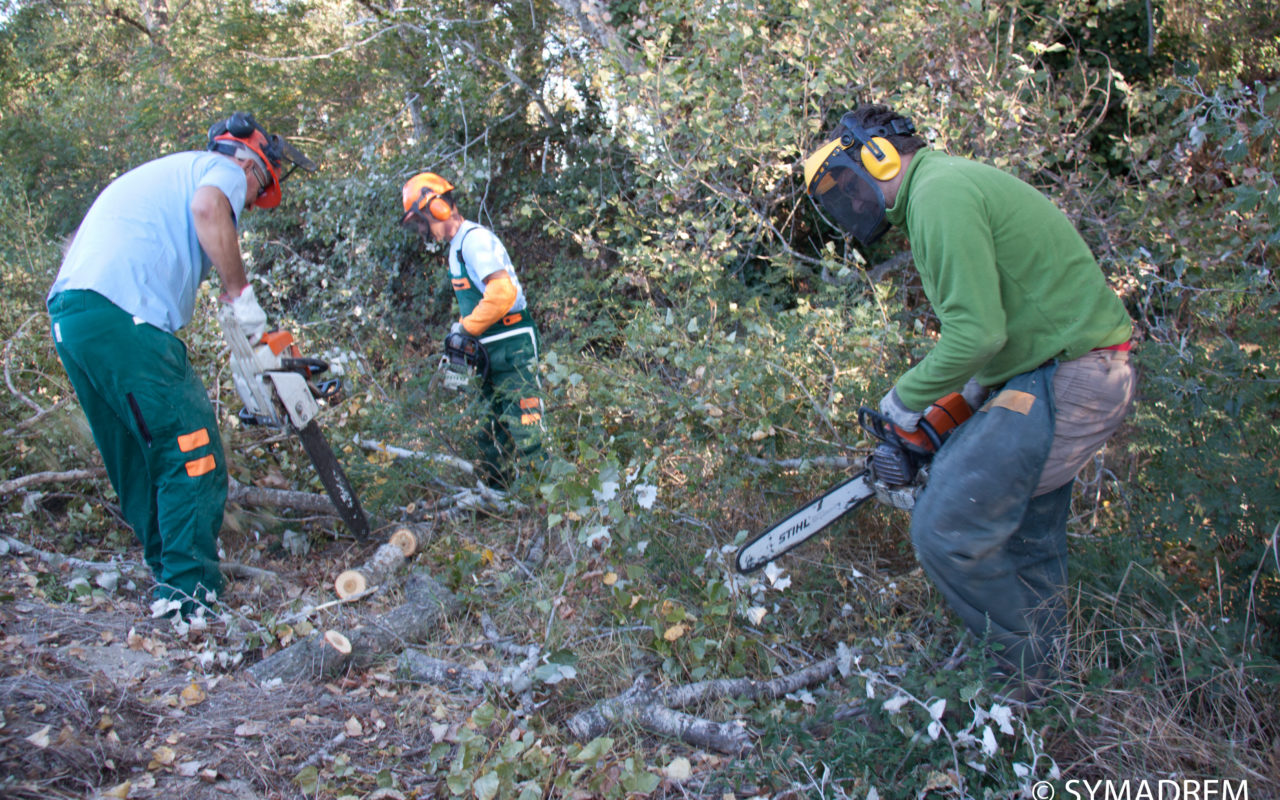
x=275 y=384
x=894 y=474
x=464 y=360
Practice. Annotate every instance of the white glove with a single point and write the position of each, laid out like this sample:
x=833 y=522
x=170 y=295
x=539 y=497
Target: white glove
x=252 y=319
x=457 y=328
x=974 y=393
x=891 y=406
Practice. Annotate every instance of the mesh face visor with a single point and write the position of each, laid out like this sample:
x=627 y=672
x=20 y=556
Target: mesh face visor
x=847 y=193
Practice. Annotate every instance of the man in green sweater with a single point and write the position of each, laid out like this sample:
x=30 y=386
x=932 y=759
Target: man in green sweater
x=1028 y=320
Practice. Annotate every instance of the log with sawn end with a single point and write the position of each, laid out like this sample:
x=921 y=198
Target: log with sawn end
x=380 y=567
x=418 y=619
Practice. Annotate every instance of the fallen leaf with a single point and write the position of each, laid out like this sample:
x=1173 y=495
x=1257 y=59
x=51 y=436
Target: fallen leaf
x=610 y=578
x=674 y=632
x=274 y=479
x=41 y=737
x=120 y=791
x=253 y=728
x=354 y=728
x=679 y=769
x=162 y=757
x=193 y=695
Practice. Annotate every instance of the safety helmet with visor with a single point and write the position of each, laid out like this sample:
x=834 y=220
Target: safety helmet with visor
x=836 y=175
x=240 y=136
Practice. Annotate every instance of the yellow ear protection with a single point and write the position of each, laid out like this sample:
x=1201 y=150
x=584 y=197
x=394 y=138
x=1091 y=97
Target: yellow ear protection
x=878 y=155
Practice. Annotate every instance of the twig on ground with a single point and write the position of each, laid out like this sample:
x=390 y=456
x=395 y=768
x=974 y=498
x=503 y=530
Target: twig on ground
x=400 y=452
x=58 y=559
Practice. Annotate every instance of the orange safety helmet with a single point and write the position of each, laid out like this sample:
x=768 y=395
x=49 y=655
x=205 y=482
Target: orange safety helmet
x=240 y=136
x=423 y=193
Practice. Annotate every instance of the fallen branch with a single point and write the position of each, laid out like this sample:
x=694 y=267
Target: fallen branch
x=258 y=496
x=400 y=452
x=418 y=666
x=8 y=380
x=39 y=415
x=839 y=462
x=9 y=544
x=237 y=570
x=35 y=478
x=651 y=708
x=419 y=618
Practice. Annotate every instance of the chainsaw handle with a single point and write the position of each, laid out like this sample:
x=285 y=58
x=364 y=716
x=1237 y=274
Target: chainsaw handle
x=936 y=424
x=306 y=366
x=923 y=440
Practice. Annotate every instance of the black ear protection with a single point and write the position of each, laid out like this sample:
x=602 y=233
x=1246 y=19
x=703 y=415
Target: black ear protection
x=877 y=154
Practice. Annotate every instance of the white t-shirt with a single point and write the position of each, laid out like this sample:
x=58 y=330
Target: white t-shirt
x=137 y=246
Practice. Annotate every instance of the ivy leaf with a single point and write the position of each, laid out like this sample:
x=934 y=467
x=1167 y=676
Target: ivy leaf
x=486 y=786
x=594 y=749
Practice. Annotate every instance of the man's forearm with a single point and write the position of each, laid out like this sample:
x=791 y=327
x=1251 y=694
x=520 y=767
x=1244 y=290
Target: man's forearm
x=216 y=230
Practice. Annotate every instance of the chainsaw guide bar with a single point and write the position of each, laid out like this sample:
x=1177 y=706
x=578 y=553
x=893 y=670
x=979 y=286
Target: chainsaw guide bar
x=806 y=523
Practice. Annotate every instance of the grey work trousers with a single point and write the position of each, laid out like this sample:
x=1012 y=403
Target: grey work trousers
x=990 y=529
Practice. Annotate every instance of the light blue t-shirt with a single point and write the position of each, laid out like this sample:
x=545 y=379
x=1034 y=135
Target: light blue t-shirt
x=137 y=246
x=483 y=255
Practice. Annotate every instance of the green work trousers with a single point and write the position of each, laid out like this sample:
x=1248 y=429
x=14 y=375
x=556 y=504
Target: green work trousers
x=510 y=436
x=153 y=423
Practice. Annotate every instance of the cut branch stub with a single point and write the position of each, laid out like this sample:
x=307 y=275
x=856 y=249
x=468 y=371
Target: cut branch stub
x=406 y=540
x=338 y=642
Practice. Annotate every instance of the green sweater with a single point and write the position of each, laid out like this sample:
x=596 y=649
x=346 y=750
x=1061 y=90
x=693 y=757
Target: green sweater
x=1011 y=280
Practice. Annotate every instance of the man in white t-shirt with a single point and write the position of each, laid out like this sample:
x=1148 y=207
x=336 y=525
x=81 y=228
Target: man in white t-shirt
x=127 y=284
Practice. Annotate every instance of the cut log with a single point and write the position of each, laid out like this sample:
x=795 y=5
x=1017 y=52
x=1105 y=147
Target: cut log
x=259 y=497
x=338 y=642
x=380 y=567
x=419 y=619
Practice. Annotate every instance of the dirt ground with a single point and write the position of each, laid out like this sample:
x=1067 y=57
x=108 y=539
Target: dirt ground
x=98 y=699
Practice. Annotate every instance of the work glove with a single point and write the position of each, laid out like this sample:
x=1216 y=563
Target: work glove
x=252 y=319
x=457 y=328
x=974 y=393
x=891 y=406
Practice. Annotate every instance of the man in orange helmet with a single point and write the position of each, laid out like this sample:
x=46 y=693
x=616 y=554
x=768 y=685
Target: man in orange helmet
x=128 y=283
x=495 y=325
